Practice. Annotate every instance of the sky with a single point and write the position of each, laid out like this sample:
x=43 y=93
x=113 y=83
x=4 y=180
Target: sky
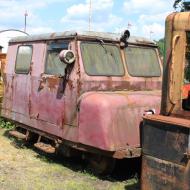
x=142 y=17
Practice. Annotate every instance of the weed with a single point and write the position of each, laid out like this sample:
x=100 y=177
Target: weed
x=6 y=124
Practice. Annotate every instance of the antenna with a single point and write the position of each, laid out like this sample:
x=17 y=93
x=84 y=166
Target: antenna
x=129 y=25
x=90 y=15
x=151 y=32
x=25 y=15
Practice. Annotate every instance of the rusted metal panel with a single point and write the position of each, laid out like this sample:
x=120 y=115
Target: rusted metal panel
x=127 y=153
x=169 y=120
x=159 y=174
x=164 y=139
x=165 y=145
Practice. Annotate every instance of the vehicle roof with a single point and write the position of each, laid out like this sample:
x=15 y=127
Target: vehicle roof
x=81 y=34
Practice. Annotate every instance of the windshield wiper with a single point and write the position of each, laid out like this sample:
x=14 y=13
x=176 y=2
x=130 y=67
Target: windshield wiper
x=101 y=42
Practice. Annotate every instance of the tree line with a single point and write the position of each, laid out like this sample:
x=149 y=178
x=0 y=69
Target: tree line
x=181 y=6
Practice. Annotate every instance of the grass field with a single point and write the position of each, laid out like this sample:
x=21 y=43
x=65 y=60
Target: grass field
x=23 y=168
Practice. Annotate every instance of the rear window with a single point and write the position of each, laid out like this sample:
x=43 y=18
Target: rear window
x=102 y=59
x=23 y=60
x=142 y=62
x=53 y=64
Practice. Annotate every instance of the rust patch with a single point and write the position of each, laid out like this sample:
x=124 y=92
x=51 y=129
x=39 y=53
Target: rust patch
x=127 y=153
x=49 y=82
x=42 y=84
x=70 y=84
x=160 y=174
x=52 y=82
x=79 y=85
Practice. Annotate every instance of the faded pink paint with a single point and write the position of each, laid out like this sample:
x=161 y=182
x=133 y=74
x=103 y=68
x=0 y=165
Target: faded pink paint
x=99 y=111
x=111 y=120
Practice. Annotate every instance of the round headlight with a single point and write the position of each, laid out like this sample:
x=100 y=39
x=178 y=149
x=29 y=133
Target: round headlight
x=67 y=56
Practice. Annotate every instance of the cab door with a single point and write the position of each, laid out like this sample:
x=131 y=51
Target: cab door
x=21 y=83
x=49 y=89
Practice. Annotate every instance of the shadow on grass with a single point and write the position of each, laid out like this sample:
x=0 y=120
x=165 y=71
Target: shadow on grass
x=18 y=143
x=135 y=186
x=125 y=170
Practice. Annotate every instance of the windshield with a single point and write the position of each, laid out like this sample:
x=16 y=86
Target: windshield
x=142 y=62
x=102 y=59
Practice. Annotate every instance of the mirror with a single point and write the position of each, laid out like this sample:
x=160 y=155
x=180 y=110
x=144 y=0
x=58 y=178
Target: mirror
x=67 y=56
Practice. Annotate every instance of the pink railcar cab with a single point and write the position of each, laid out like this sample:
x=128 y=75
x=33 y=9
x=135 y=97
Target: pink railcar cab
x=95 y=103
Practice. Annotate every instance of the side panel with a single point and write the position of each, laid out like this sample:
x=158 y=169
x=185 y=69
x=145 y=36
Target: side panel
x=165 y=141
x=8 y=79
x=111 y=121
x=21 y=93
x=159 y=174
x=166 y=163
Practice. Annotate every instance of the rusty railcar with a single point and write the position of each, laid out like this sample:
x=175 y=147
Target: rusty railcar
x=93 y=103
x=166 y=137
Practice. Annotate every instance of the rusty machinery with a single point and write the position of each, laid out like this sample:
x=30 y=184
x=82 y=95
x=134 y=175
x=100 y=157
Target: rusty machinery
x=166 y=137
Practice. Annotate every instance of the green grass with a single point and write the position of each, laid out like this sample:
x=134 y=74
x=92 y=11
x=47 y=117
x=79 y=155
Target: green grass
x=6 y=124
x=22 y=168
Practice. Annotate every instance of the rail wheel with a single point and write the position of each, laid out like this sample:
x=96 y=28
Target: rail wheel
x=101 y=165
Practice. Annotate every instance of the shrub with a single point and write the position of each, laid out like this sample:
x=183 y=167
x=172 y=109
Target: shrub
x=6 y=124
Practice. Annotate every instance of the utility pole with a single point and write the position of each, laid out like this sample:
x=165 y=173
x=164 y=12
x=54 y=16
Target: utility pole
x=25 y=15
x=90 y=15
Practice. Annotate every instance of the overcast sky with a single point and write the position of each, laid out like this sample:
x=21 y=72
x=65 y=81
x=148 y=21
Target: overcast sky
x=143 y=16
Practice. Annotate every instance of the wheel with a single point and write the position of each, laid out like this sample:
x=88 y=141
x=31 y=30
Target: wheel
x=101 y=165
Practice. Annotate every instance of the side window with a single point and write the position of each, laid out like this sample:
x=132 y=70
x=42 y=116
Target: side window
x=23 y=59
x=53 y=64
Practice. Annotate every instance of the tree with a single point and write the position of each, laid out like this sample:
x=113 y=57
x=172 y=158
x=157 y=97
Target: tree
x=182 y=5
x=160 y=44
x=177 y=4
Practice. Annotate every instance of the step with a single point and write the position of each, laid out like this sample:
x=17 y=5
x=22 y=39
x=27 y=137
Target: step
x=17 y=134
x=48 y=148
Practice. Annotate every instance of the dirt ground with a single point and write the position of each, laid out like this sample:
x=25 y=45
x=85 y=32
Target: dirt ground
x=23 y=168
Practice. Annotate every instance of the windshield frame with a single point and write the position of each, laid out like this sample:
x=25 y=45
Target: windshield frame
x=102 y=44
